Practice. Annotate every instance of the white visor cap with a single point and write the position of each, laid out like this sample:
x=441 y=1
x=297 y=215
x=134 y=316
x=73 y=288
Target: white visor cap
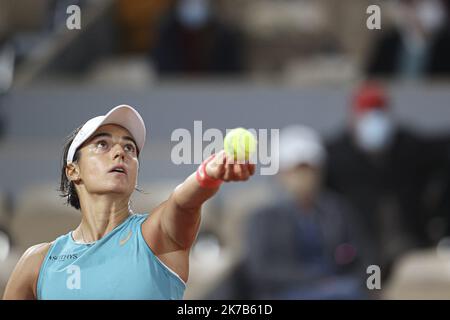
x=122 y=115
x=300 y=145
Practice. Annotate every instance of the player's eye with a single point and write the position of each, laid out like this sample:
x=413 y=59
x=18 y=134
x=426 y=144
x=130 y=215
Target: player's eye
x=129 y=147
x=102 y=144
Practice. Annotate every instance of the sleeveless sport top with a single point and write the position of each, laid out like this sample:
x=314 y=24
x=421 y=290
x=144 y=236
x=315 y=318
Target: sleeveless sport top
x=118 y=266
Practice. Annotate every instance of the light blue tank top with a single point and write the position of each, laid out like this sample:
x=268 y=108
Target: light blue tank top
x=118 y=266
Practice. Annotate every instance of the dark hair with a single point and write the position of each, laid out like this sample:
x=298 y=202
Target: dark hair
x=67 y=187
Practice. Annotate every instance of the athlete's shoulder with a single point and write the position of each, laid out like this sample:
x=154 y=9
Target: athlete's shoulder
x=37 y=251
x=31 y=260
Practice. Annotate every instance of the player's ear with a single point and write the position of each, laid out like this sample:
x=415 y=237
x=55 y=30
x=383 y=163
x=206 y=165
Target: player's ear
x=73 y=172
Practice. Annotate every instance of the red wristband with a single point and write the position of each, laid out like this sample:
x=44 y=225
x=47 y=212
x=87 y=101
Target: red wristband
x=203 y=179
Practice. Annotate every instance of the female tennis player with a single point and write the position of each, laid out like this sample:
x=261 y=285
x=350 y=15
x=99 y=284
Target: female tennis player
x=115 y=253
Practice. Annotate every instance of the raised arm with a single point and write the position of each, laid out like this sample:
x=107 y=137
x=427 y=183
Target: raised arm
x=179 y=217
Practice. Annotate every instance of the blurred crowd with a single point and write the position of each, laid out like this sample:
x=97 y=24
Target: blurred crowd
x=418 y=44
x=372 y=194
x=292 y=40
x=369 y=195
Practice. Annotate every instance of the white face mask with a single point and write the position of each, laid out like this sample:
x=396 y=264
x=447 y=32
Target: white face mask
x=193 y=13
x=430 y=14
x=374 y=131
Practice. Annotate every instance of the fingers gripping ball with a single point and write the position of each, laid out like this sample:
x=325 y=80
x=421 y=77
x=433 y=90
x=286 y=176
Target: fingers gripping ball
x=240 y=144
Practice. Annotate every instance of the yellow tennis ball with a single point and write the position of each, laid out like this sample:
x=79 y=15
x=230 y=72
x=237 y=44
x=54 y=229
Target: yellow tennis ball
x=240 y=143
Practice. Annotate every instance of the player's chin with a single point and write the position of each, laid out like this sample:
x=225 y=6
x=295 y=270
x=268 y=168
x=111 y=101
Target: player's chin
x=120 y=187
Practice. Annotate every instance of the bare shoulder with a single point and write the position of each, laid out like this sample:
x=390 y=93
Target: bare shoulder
x=37 y=251
x=23 y=280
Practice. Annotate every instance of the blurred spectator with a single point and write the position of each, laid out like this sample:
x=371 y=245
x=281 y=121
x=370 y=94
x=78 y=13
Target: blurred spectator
x=2 y=120
x=7 y=55
x=7 y=60
x=193 y=40
x=137 y=23
x=419 y=43
x=304 y=246
x=384 y=171
x=439 y=226
x=58 y=12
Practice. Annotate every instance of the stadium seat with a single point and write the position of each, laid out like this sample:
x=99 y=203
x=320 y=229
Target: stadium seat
x=422 y=274
x=41 y=216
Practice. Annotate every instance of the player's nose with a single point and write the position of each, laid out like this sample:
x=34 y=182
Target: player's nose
x=118 y=151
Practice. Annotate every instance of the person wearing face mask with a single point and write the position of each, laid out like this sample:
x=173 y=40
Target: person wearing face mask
x=305 y=245
x=192 y=40
x=418 y=45
x=383 y=170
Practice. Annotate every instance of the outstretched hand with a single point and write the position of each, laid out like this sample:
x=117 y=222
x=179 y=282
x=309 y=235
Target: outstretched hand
x=222 y=167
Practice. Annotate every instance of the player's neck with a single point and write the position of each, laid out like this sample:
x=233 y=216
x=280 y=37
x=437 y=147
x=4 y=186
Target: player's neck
x=101 y=216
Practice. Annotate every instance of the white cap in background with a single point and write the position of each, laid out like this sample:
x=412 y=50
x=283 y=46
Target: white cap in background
x=300 y=145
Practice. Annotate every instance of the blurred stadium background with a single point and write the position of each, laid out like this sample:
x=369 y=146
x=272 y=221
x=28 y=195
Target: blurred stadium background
x=269 y=64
